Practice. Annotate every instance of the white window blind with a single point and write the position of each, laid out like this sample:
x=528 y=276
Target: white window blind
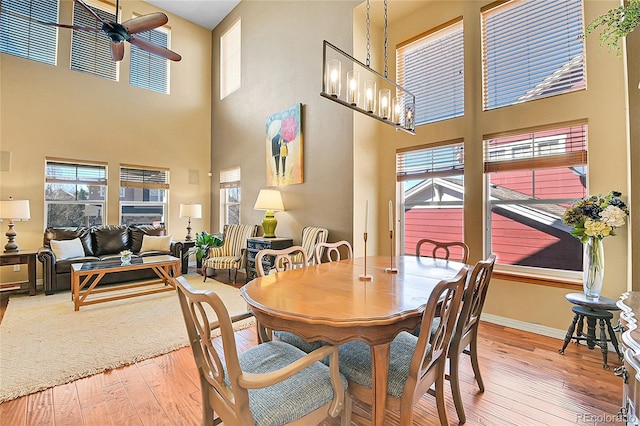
x=562 y=146
x=79 y=174
x=230 y=60
x=91 y=51
x=21 y=36
x=425 y=163
x=150 y=71
x=144 y=178
x=532 y=49
x=432 y=68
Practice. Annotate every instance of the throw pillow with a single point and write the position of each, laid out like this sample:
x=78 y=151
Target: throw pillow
x=151 y=243
x=66 y=249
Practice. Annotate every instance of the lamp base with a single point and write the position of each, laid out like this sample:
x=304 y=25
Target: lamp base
x=269 y=223
x=11 y=246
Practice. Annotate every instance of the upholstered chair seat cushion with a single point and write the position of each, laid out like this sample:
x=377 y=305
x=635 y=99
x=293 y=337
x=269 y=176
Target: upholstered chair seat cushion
x=221 y=262
x=292 y=398
x=355 y=362
x=298 y=342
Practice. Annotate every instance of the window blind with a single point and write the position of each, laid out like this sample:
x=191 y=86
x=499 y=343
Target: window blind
x=77 y=174
x=425 y=163
x=23 y=37
x=230 y=60
x=91 y=51
x=150 y=71
x=144 y=178
x=532 y=49
x=230 y=178
x=432 y=68
x=565 y=145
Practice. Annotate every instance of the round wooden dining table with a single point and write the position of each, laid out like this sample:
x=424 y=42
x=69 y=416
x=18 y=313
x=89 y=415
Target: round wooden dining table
x=330 y=302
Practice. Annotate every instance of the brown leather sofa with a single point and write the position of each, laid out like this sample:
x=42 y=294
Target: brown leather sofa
x=100 y=243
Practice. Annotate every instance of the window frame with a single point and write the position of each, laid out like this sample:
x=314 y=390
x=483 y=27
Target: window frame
x=231 y=59
x=145 y=178
x=229 y=179
x=58 y=180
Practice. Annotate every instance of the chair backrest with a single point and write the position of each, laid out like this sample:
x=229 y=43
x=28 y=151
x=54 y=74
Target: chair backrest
x=474 y=296
x=235 y=238
x=283 y=259
x=431 y=349
x=442 y=249
x=219 y=388
x=333 y=251
x=311 y=236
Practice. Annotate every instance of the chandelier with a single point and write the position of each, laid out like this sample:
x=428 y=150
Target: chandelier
x=366 y=90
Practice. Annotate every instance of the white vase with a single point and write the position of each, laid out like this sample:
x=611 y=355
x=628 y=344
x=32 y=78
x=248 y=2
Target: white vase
x=593 y=267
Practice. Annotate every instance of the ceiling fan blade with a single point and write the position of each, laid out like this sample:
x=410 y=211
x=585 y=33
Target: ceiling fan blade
x=117 y=51
x=154 y=48
x=145 y=22
x=91 y=12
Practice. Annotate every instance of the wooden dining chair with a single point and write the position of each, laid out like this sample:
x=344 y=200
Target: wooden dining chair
x=283 y=260
x=272 y=383
x=443 y=249
x=415 y=363
x=334 y=251
x=466 y=331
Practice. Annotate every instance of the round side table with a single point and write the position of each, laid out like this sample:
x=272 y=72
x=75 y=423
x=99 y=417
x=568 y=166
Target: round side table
x=596 y=312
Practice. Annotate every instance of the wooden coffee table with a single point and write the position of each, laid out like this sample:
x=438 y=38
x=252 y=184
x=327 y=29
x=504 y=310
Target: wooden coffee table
x=87 y=275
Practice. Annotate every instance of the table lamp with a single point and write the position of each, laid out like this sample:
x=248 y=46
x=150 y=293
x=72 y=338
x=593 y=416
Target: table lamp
x=190 y=211
x=13 y=209
x=269 y=200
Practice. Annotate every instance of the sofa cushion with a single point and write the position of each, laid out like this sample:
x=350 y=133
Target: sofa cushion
x=139 y=231
x=61 y=234
x=110 y=239
x=65 y=249
x=64 y=266
x=151 y=243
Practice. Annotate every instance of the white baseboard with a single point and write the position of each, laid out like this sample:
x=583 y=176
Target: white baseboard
x=525 y=326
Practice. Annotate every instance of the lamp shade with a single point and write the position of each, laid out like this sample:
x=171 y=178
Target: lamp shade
x=191 y=210
x=14 y=209
x=269 y=199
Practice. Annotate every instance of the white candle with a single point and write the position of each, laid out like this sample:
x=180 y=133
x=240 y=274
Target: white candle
x=390 y=216
x=366 y=216
x=333 y=89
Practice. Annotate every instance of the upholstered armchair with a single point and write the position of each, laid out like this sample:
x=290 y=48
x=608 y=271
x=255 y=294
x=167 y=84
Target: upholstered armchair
x=310 y=237
x=231 y=255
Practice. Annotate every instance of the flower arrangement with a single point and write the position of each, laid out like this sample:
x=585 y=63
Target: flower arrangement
x=125 y=253
x=596 y=216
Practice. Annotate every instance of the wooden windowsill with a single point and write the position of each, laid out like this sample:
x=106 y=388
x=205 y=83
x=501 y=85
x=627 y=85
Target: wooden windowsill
x=538 y=280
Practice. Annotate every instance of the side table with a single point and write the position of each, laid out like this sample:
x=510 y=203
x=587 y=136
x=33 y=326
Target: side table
x=22 y=257
x=595 y=311
x=185 y=246
x=254 y=245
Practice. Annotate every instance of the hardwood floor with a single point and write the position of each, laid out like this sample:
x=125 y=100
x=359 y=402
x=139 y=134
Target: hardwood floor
x=527 y=383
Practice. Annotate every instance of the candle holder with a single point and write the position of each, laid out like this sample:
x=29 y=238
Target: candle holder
x=392 y=269
x=364 y=276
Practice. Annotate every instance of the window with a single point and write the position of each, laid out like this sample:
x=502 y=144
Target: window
x=532 y=178
x=531 y=49
x=150 y=71
x=74 y=193
x=432 y=68
x=143 y=195
x=230 y=60
x=91 y=51
x=230 y=197
x=432 y=186
x=21 y=35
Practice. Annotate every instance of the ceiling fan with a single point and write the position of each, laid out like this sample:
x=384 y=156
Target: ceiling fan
x=126 y=31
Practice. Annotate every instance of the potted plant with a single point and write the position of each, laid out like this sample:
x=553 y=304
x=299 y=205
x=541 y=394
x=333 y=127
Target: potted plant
x=203 y=242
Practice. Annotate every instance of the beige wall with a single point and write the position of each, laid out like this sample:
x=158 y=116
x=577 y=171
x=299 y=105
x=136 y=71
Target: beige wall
x=281 y=66
x=51 y=111
x=602 y=104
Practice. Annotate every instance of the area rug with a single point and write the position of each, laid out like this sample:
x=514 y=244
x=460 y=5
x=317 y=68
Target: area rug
x=44 y=342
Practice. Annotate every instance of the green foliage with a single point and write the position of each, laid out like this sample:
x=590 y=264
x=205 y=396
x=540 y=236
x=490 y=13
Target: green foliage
x=615 y=25
x=203 y=242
